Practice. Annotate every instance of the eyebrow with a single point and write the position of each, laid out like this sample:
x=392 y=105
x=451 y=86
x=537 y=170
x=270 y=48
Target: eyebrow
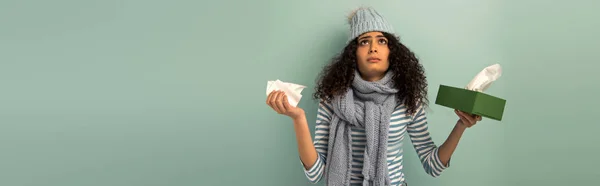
x=363 y=37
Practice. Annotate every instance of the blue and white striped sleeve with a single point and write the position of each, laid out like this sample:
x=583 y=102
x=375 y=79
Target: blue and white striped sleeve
x=315 y=173
x=424 y=145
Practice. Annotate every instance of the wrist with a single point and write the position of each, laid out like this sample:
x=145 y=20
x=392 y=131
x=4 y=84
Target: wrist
x=298 y=116
x=460 y=125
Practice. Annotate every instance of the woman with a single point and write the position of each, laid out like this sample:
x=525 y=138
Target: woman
x=370 y=96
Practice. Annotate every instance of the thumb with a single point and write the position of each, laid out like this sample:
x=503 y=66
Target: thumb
x=287 y=104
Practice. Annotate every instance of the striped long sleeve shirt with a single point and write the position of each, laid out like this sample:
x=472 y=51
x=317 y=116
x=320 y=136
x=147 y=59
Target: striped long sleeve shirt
x=400 y=124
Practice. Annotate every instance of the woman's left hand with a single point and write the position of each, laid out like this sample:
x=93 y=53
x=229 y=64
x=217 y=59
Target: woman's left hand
x=466 y=119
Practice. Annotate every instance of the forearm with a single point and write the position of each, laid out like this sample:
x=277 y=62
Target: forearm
x=306 y=148
x=447 y=148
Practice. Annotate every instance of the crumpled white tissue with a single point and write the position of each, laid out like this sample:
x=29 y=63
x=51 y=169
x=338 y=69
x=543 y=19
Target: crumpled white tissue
x=292 y=91
x=484 y=79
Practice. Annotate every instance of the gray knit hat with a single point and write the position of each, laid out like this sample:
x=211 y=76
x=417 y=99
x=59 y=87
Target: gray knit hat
x=366 y=19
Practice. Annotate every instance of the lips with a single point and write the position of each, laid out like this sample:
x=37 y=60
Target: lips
x=373 y=59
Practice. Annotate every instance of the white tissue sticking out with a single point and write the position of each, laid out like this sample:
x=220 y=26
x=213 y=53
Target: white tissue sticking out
x=484 y=79
x=293 y=91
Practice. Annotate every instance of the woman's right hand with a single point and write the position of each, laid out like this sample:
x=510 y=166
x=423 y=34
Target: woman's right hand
x=279 y=102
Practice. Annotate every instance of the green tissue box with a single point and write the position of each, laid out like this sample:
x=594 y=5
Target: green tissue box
x=472 y=102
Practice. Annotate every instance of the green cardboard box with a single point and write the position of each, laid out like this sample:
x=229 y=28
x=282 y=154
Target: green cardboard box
x=472 y=102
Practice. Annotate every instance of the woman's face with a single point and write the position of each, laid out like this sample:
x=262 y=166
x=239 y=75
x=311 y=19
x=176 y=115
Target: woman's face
x=372 y=55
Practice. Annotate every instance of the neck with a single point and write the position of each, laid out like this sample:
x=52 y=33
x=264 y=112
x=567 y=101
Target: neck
x=372 y=77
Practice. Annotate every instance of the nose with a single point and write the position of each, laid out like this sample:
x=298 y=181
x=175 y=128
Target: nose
x=373 y=49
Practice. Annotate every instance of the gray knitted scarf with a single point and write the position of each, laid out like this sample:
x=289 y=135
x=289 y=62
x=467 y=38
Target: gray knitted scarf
x=367 y=105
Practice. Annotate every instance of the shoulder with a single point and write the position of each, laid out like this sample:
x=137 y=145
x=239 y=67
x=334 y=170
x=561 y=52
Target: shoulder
x=401 y=109
x=420 y=112
x=324 y=111
x=325 y=105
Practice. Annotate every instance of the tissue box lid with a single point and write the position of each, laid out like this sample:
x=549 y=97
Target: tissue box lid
x=472 y=102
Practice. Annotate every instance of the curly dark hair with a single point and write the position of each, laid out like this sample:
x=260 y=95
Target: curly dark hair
x=409 y=75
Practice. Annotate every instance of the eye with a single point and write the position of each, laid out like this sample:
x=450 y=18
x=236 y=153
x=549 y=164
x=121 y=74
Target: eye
x=382 y=41
x=364 y=42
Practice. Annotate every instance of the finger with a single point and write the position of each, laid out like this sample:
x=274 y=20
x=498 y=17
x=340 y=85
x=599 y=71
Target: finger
x=286 y=104
x=473 y=120
x=466 y=116
x=457 y=112
x=459 y=115
x=462 y=118
x=270 y=99
x=280 y=99
x=274 y=102
x=465 y=122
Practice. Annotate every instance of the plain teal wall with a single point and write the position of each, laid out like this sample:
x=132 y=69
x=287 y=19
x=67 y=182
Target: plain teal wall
x=553 y=83
x=132 y=92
